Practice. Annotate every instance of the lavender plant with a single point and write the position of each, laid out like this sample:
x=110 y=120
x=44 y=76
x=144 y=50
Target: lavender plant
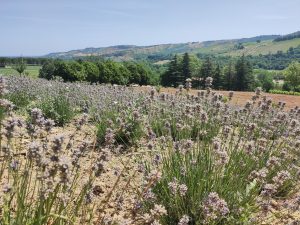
x=200 y=159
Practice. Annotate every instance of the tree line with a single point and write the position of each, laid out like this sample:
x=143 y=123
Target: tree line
x=234 y=76
x=105 y=71
x=4 y=61
x=288 y=37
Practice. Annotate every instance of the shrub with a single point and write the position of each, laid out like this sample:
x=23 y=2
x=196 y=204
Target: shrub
x=113 y=129
x=284 y=92
x=57 y=108
x=21 y=99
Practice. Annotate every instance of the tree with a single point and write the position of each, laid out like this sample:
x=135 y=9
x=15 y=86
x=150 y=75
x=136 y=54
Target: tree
x=91 y=71
x=76 y=71
x=292 y=75
x=173 y=76
x=265 y=80
x=48 y=70
x=20 y=66
x=186 y=67
x=217 y=82
x=244 y=75
x=207 y=70
x=229 y=77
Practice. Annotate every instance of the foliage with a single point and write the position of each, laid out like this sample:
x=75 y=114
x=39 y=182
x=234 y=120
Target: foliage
x=292 y=75
x=223 y=167
x=20 y=99
x=99 y=71
x=265 y=79
x=114 y=129
x=57 y=108
x=244 y=76
x=284 y=92
x=20 y=66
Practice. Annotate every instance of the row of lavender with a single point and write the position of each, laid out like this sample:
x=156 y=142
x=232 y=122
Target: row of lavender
x=206 y=162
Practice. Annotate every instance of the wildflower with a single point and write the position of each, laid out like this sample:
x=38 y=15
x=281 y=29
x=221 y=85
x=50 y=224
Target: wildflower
x=248 y=105
x=14 y=164
x=173 y=186
x=182 y=189
x=152 y=93
x=273 y=161
x=57 y=143
x=98 y=168
x=6 y=188
x=216 y=144
x=204 y=117
x=88 y=198
x=188 y=84
x=81 y=121
x=281 y=177
x=157 y=159
x=3 y=89
x=155 y=222
x=7 y=105
x=249 y=147
x=36 y=116
x=9 y=126
x=48 y=124
x=149 y=195
x=158 y=211
x=34 y=150
x=214 y=207
x=184 y=220
x=208 y=81
x=258 y=91
x=268 y=190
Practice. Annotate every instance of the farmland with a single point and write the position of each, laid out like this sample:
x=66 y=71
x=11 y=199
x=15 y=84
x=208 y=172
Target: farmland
x=75 y=153
x=33 y=71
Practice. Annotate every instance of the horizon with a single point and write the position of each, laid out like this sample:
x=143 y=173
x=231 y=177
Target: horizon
x=34 y=28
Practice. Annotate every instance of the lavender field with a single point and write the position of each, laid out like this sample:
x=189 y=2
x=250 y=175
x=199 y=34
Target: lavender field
x=75 y=153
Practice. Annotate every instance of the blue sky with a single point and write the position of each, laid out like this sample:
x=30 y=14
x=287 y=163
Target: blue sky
x=38 y=27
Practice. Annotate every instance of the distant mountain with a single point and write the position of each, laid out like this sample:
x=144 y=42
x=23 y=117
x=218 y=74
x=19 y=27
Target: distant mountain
x=264 y=45
x=288 y=36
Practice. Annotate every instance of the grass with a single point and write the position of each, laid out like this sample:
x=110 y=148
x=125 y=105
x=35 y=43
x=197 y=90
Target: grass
x=251 y=48
x=33 y=71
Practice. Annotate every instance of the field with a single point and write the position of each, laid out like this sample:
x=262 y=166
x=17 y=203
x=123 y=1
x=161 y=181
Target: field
x=240 y=98
x=33 y=71
x=74 y=153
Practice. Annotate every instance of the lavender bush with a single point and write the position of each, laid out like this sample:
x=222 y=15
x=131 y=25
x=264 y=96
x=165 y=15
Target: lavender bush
x=199 y=159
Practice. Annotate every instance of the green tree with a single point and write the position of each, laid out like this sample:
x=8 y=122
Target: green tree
x=292 y=75
x=76 y=71
x=265 y=80
x=20 y=66
x=229 y=77
x=91 y=71
x=48 y=70
x=218 y=81
x=244 y=75
x=186 y=67
x=207 y=70
x=173 y=76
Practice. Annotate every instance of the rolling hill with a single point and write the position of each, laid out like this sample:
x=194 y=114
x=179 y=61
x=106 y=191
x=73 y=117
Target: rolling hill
x=260 y=45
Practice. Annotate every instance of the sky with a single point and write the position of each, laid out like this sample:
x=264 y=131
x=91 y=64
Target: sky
x=39 y=27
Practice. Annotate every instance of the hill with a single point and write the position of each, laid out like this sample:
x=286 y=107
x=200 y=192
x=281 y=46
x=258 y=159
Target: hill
x=260 y=45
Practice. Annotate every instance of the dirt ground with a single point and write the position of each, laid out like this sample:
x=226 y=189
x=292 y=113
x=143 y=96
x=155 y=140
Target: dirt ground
x=240 y=98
